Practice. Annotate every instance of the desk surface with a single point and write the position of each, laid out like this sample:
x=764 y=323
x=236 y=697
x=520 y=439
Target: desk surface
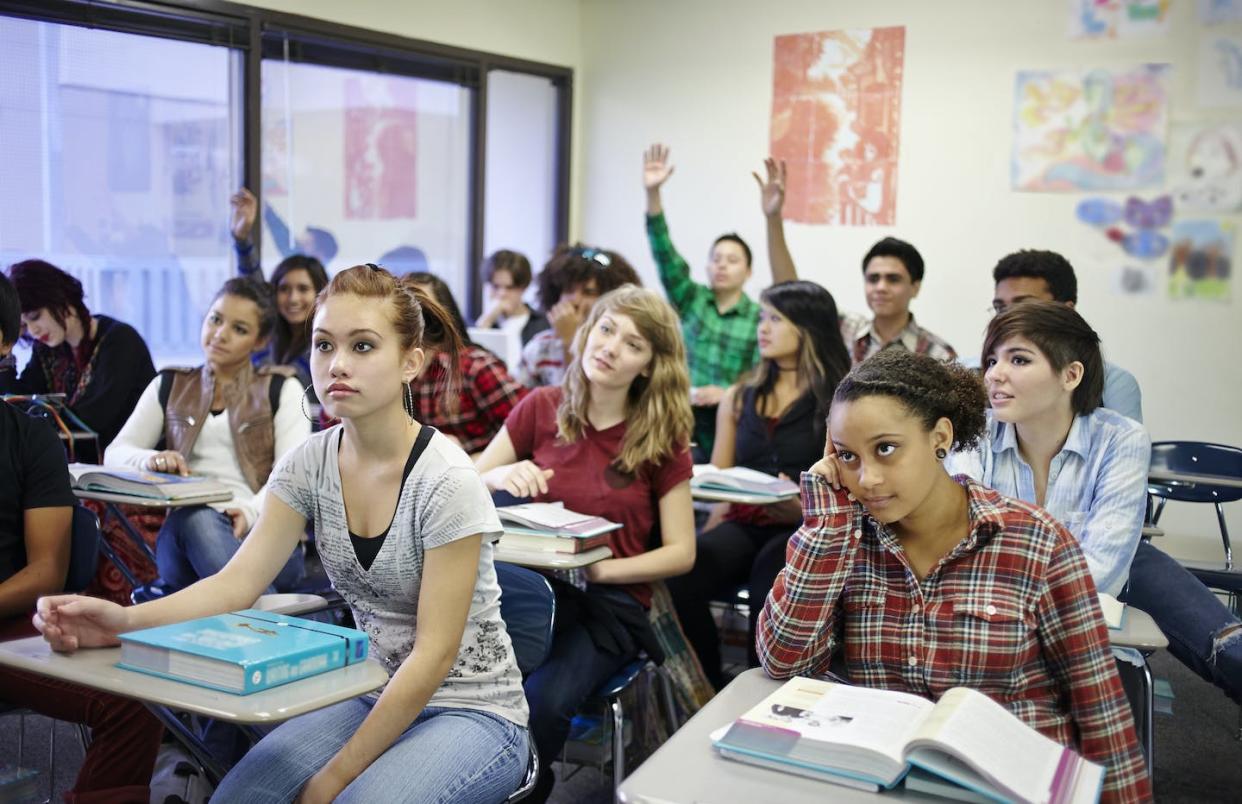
x=97 y=669
x=538 y=559
x=687 y=769
x=1165 y=476
x=1138 y=630
x=149 y=502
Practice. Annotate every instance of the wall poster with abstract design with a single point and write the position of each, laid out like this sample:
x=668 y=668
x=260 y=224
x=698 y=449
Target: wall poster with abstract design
x=1090 y=130
x=1113 y=19
x=1201 y=262
x=836 y=121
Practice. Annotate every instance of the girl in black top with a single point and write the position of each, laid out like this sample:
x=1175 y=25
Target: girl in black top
x=100 y=364
x=774 y=422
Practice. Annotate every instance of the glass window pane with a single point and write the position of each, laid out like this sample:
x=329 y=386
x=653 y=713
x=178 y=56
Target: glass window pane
x=362 y=167
x=118 y=153
x=520 y=206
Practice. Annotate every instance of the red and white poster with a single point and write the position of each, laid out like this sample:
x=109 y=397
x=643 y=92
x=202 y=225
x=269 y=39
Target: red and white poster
x=836 y=121
x=380 y=150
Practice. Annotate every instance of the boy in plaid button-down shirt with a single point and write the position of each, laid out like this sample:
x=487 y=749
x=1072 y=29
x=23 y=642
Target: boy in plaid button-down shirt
x=927 y=582
x=718 y=321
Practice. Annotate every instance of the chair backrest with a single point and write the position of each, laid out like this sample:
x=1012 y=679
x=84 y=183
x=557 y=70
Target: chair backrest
x=528 y=607
x=83 y=549
x=1196 y=458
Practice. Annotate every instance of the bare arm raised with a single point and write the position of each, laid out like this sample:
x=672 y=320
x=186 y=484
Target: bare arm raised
x=772 y=201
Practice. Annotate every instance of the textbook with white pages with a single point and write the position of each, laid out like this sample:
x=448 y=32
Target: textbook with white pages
x=739 y=478
x=1114 y=611
x=151 y=485
x=552 y=519
x=869 y=739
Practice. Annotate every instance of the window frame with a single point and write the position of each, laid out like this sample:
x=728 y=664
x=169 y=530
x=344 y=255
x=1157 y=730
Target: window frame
x=262 y=33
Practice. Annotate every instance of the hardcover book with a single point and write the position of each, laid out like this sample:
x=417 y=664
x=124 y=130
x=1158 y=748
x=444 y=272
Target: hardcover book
x=138 y=483
x=243 y=652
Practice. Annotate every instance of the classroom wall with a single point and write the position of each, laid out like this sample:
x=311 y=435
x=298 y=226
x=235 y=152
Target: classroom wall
x=697 y=75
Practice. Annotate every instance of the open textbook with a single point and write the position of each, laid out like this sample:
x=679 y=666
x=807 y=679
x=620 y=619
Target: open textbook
x=151 y=485
x=870 y=738
x=739 y=478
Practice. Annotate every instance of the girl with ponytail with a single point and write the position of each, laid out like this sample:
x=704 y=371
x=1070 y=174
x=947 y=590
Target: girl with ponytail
x=405 y=530
x=920 y=582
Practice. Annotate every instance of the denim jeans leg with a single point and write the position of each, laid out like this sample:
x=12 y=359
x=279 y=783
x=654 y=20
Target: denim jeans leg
x=574 y=669
x=1203 y=634
x=449 y=755
x=194 y=543
x=278 y=766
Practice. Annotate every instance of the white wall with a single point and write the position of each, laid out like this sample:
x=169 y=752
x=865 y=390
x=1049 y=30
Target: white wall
x=697 y=75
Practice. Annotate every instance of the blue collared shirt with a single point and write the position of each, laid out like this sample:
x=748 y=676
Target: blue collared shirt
x=1097 y=485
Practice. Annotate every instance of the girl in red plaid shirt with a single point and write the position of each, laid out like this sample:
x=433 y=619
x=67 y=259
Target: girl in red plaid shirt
x=921 y=582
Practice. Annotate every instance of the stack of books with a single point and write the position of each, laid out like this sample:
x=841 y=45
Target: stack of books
x=149 y=485
x=552 y=528
x=965 y=746
x=744 y=482
x=243 y=652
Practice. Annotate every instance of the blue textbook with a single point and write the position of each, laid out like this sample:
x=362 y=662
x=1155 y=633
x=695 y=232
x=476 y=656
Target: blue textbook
x=243 y=652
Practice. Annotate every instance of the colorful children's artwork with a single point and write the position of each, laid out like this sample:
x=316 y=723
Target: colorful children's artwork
x=1215 y=12
x=1112 y=19
x=1205 y=166
x=1201 y=261
x=1220 y=70
x=1094 y=130
x=836 y=121
x=1143 y=239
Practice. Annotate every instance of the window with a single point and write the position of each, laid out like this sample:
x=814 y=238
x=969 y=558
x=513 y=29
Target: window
x=366 y=167
x=119 y=152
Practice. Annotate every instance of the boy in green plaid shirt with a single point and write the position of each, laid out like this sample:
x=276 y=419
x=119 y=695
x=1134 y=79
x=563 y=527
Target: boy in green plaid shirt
x=718 y=321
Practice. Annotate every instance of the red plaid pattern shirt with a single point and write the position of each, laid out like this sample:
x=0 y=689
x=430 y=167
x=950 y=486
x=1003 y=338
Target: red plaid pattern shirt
x=858 y=332
x=487 y=395
x=1011 y=611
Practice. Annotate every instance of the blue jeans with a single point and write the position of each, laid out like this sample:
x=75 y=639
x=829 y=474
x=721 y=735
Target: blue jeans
x=1203 y=634
x=457 y=755
x=557 y=689
x=196 y=542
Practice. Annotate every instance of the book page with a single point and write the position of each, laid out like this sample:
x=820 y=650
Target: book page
x=877 y=720
x=1113 y=610
x=996 y=743
x=544 y=515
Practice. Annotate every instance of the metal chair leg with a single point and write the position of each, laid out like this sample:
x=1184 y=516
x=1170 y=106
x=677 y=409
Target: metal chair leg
x=1149 y=703
x=618 y=744
x=1224 y=536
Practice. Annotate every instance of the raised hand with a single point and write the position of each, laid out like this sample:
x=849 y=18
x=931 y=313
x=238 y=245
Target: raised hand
x=245 y=213
x=656 y=168
x=772 y=191
x=69 y=622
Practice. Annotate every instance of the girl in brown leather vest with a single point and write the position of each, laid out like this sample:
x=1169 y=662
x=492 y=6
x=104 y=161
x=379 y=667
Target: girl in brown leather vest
x=220 y=420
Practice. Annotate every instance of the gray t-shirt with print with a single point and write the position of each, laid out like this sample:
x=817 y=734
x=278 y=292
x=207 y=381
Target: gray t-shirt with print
x=442 y=499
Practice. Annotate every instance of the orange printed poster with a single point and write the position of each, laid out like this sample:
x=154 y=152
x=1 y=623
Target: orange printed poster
x=836 y=121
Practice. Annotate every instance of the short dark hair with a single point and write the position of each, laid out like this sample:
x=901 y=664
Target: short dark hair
x=257 y=291
x=571 y=266
x=1046 y=265
x=929 y=389
x=10 y=312
x=1063 y=336
x=42 y=285
x=734 y=237
x=442 y=293
x=900 y=250
x=512 y=261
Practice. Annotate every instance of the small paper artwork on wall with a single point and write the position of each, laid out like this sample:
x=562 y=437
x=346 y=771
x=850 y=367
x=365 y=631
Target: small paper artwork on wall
x=1112 y=19
x=1215 y=12
x=1090 y=130
x=836 y=121
x=1200 y=262
x=1220 y=70
x=1205 y=166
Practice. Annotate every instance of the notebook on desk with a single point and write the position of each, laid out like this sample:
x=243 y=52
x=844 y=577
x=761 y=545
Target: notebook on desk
x=149 y=485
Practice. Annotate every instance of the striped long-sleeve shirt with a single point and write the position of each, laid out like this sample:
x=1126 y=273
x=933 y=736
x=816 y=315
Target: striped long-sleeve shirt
x=1097 y=485
x=1010 y=611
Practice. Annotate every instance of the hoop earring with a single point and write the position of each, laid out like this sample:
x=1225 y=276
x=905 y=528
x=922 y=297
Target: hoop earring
x=305 y=411
x=941 y=453
x=407 y=400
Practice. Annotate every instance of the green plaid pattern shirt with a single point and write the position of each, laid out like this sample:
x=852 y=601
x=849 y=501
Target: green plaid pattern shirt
x=720 y=346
